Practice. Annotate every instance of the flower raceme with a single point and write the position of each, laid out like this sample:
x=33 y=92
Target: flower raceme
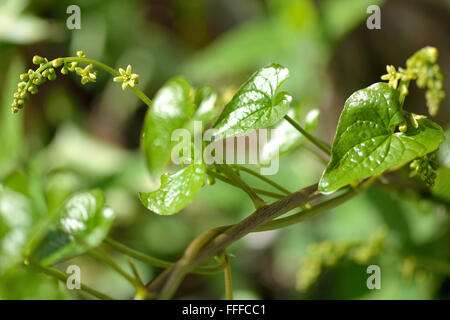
x=30 y=80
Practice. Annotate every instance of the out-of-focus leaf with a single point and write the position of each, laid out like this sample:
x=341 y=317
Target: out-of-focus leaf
x=58 y=186
x=312 y=120
x=443 y=153
x=10 y=125
x=340 y=16
x=366 y=143
x=83 y=223
x=176 y=191
x=26 y=284
x=284 y=137
x=17 y=181
x=71 y=146
x=170 y=111
x=15 y=224
x=21 y=28
x=258 y=103
x=441 y=188
x=205 y=100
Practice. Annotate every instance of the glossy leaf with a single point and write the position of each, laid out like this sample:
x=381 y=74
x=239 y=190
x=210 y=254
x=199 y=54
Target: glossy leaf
x=257 y=104
x=176 y=190
x=366 y=141
x=83 y=223
x=15 y=225
x=170 y=110
x=284 y=137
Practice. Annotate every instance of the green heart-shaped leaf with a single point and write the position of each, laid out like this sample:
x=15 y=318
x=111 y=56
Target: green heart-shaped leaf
x=170 y=110
x=83 y=223
x=176 y=191
x=366 y=141
x=257 y=104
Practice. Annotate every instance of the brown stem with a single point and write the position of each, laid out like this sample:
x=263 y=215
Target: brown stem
x=213 y=242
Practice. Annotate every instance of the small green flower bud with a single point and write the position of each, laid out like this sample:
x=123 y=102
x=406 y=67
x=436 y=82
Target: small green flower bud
x=24 y=95
x=72 y=66
x=21 y=85
x=31 y=74
x=32 y=89
x=81 y=54
x=210 y=180
x=79 y=71
x=403 y=127
x=64 y=70
x=38 y=60
x=84 y=80
x=51 y=76
x=24 y=77
x=57 y=62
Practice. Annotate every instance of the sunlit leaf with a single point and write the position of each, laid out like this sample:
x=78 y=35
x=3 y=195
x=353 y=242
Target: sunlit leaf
x=366 y=141
x=170 y=110
x=83 y=223
x=176 y=191
x=258 y=103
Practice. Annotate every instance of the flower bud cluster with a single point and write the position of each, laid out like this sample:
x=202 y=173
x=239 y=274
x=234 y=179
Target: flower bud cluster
x=425 y=169
x=423 y=68
x=30 y=81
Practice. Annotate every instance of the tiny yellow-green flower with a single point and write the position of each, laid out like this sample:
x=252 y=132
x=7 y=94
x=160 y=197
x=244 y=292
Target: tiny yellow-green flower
x=127 y=77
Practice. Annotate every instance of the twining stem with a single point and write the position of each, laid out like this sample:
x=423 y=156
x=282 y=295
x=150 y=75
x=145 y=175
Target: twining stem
x=156 y=261
x=135 y=272
x=213 y=242
x=260 y=220
x=63 y=278
x=113 y=72
x=261 y=177
x=227 y=277
x=176 y=274
x=236 y=179
x=320 y=144
x=99 y=255
x=316 y=209
x=141 y=291
x=257 y=190
x=141 y=95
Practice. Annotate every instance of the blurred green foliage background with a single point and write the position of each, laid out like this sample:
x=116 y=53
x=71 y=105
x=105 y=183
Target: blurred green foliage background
x=72 y=138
